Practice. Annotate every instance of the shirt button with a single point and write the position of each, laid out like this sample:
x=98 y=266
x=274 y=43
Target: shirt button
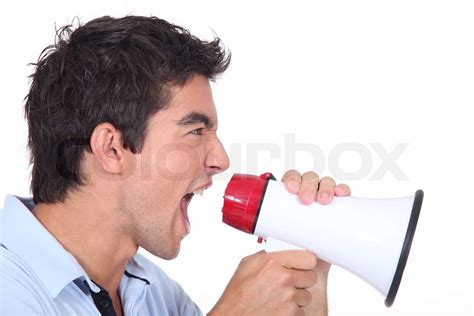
x=104 y=303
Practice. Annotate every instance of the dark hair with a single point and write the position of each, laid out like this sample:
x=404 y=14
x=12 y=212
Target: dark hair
x=116 y=70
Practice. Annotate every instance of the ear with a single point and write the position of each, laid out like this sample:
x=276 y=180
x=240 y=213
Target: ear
x=107 y=146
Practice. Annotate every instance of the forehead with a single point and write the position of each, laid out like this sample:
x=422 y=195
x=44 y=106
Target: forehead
x=190 y=103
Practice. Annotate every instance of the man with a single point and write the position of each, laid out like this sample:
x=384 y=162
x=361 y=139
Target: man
x=122 y=131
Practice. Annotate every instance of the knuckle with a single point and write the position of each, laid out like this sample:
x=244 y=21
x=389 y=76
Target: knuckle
x=294 y=310
x=307 y=297
x=244 y=261
x=311 y=259
x=291 y=175
x=328 y=180
x=285 y=279
x=289 y=295
x=300 y=312
x=271 y=265
x=310 y=176
x=250 y=258
x=272 y=261
x=345 y=187
x=313 y=277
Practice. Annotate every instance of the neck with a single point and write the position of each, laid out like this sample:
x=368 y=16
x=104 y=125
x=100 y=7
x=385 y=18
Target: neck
x=88 y=226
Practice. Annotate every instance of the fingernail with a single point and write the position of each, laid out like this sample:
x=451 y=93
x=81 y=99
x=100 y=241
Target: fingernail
x=324 y=197
x=308 y=197
x=293 y=185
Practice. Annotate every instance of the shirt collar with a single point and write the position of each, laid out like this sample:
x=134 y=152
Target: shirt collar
x=135 y=270
x=28 y=239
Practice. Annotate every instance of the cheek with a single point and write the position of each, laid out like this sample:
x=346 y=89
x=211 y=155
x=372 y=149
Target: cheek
x=177 y=162
x=151 y=208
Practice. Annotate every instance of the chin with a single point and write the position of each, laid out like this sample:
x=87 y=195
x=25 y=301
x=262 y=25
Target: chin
x=171 y=255
x=167 y=254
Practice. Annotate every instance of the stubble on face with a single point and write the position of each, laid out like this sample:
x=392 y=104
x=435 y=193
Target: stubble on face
x=170 y=163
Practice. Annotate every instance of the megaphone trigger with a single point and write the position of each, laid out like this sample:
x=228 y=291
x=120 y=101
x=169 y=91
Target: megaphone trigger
x=273 y=244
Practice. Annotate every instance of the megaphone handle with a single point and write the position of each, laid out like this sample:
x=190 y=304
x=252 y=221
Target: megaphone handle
x=273 y=244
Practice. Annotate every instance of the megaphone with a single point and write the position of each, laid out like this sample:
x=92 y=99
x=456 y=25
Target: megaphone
x=368 y=237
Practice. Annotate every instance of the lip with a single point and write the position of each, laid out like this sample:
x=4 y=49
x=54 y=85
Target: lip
x=205 y=187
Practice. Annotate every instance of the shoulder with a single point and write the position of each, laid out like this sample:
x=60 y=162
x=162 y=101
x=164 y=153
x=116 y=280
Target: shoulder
x=13 y=268
x=20 y=292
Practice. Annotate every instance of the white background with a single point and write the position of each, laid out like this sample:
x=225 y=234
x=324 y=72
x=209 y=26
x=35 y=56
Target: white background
x=328 y=73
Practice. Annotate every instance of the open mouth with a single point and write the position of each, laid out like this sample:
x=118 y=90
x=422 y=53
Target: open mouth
x=186 y=199
x=184 y=209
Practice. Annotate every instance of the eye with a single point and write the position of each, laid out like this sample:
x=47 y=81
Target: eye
x=197 y=131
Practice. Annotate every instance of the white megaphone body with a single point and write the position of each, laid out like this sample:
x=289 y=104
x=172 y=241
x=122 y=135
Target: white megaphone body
x=368 y=237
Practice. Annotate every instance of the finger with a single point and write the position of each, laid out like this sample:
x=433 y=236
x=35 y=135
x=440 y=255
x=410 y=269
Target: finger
x=296 y=259
x=309 y=187
x=342 y=189
x=292 y=180
x=304 y=278
x=326 y=190
x=303 y=297
x=298 y=312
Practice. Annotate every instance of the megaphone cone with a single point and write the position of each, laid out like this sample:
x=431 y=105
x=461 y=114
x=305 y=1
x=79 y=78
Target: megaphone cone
x=368 y=237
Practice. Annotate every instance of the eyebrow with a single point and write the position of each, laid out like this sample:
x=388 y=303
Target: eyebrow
x=196 y=118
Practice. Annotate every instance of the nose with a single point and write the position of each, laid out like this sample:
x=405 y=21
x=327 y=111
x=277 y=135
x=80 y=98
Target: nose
x=216 y=160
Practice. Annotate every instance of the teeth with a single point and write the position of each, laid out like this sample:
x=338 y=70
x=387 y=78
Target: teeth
x=200 y=192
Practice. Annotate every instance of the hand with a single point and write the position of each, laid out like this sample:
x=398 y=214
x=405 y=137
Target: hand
x=310 y=188
x=269 y=284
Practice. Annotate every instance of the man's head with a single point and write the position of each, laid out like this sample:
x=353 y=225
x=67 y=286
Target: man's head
x=124 y=106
